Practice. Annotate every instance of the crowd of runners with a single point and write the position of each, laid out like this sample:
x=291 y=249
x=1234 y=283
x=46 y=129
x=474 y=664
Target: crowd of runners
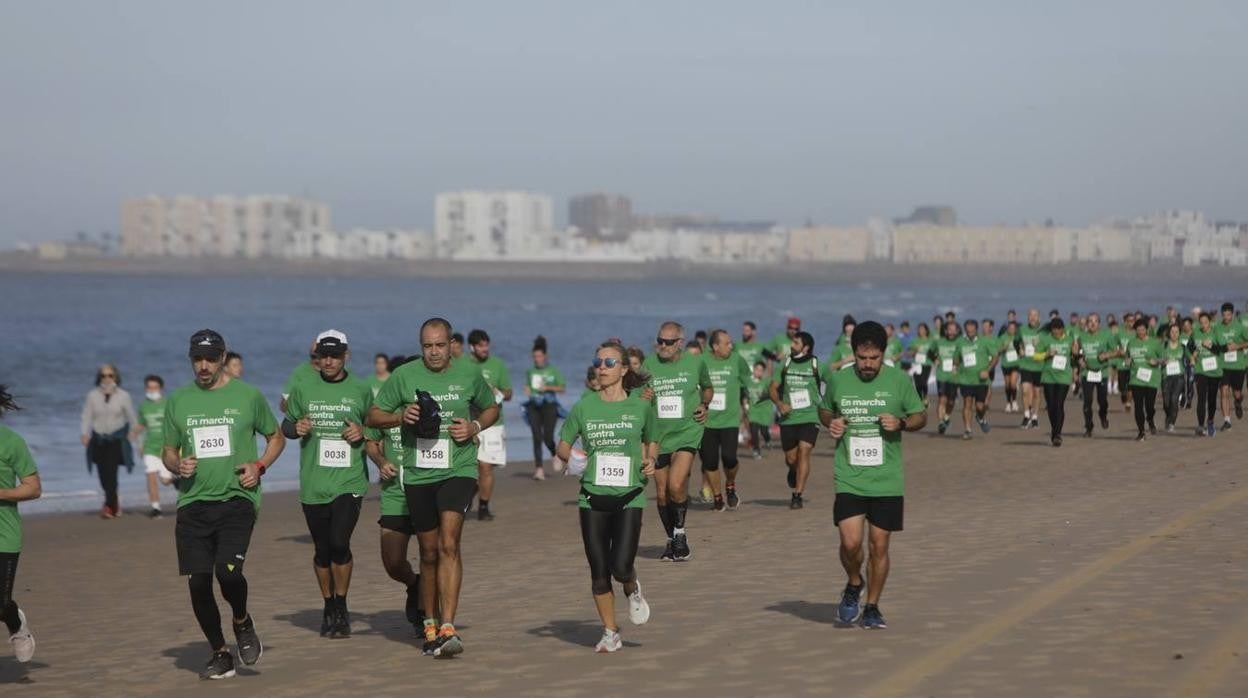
x=431 y=426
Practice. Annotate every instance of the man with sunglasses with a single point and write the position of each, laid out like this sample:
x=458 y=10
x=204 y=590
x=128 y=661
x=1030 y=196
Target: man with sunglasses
x=681 y=390
x=210 y=443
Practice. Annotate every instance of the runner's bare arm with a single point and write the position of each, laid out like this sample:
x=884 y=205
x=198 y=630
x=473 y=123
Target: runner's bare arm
x=29 y=488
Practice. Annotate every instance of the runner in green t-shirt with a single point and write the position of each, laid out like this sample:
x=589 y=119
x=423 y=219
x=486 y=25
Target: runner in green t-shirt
x=795 y=391
x=1175 y=359
x=1233 y=336
x=381 y=373
x=442 y=404
x=19 y=482
x=760 y=412
x=210 y=442
x=619 y=431
x=728 y=372
x=865 y=409
x=326 y=416
x=492 y=443
x=977 y=358
x=1144 y=357
x=945 y=353
x=681 y=390
x=151 y=414
x=1206 y=356
x=841 y=355
x=778 y=346
x=1097 y=348
x=750 y=349
x=1057 y=348
x=304 y=371
x=987 y=333
x=1029 y=367
x=1010 y=374
x=543 y=383
x=920 y=360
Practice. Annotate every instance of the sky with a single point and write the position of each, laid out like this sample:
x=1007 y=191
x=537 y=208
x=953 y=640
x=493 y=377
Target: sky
x=789 y=111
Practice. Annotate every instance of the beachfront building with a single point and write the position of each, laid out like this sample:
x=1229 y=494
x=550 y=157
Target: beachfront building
x=827 y=244
x=931 y=244
x=494 y=225
x=363 y=244
x=598 y=215
x=219 y=226
x=710 y=246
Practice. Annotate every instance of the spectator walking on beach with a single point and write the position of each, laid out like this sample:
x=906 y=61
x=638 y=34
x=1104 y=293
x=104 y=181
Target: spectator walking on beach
x=107 y=420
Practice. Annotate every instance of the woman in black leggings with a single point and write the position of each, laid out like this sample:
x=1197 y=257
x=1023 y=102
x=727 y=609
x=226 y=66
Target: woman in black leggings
x=543 y=383
x=1208 y=369
x=617 y=431
x=919 y=346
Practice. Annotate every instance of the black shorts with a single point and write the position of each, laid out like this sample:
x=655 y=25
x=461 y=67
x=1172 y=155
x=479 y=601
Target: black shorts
x=1233 y=377
x=1032 y=377
x=947 y=389
x=881 y=512
x=1124 y=379
x=979 y=393
x=211 y=533
x=793 y=434
x=665 y=459
x=1009 y=370
x=427 y=502
x=396 y=523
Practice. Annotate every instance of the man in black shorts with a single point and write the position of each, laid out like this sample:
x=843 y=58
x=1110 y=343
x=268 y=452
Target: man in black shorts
x=795 y=391
x=866 y=408
x=210 y=429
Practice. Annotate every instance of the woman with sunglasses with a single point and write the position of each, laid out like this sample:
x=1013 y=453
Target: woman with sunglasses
x=618 y=430
x=108 y=424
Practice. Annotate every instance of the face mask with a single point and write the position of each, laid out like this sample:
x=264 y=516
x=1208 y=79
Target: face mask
x=153 y=395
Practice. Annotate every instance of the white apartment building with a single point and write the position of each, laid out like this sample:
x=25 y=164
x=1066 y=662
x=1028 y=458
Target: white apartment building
x=486 y=225
x=220 y=226
x=829 y=245
x=362 y=244
x=709 y=246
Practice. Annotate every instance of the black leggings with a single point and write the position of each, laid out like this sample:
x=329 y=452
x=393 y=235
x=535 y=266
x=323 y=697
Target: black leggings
x=1055 y=402
x=920 y=381
x=1171 y=394
x=611 y=539
x=759 y=434
x=233 y=589
x=542 y=418
x=1206 y=398
x=719 y=444
x=331 y=526
x=108 y=456
x=1101 y=391
x=1145 y=406
x=8 y=576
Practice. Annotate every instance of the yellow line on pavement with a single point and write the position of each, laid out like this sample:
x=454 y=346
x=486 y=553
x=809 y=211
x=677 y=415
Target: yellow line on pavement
x=903 y=682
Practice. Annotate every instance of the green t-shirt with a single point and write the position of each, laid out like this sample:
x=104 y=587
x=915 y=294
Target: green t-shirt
x=945 y=354
x=15 y=464
x=1008 y=351
x=798 y=383
x=841 y=351
x=1227 y=334
x=393 y=500
x=1206 y=361
x=781 y=344
x=1122 y=338
x=678 y=387
x=538 y=379
x=375 y=382
x=974 y=356
x=152 y=417
x=1029 y=338
x=727 y=375
x=1059 y=358
x=892 y=353
x=494 y=371
x=460 y=392
x=751 y=352
x=329 y=465
x=1174 y=359
x=868 y=459
x=1142 y=352
x=303 y=372
x=762 y=410
x=1092 y=344
x=219 y=428
x=612 y=434
x=919 y=348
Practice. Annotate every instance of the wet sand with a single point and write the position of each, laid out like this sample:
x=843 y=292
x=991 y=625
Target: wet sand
x=1106 y=567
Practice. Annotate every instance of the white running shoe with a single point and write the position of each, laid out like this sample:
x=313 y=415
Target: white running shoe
x=610 y=642
x=23 y=642
x=539 y=474
x=638 y=608
x=557 y=464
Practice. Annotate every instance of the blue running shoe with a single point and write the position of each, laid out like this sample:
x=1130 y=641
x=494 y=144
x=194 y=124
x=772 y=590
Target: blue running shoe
x=1210 y=429
x=847 y=610
x=872 y=619
x=984 y=426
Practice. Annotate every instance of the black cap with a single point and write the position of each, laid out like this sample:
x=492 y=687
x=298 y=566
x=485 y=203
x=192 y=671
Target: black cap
x=331 y=343
x=207 y=344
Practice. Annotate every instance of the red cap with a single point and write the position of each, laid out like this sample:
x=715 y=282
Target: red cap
x=795 y=322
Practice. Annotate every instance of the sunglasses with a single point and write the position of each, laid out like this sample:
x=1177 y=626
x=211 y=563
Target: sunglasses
x=609 y=362
x=667 y=342
x=108 y=375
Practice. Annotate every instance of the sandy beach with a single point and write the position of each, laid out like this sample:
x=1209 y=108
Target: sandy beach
x=1106 y=567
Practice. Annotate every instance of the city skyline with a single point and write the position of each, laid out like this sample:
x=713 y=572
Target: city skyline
x=1006 y=111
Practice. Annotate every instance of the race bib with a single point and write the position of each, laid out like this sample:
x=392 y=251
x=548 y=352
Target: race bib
x=1094 y=377
x=434 y=454
x=536 y=382
x=1144 y=374
x=1174 y=368
x=799 y=399
x=1231 y=356
x=612 y=470
x=1011 y=356
x=970 y=360
x=1029 y=350
x=920 y=359
x=866 y=451
x=719 y=403
x=1209 y=363
x=212 y=442
x=1059 y=362
x=946 y=365
x=335 y=453
x=671 y=407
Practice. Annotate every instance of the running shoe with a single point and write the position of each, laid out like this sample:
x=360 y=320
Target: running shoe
x=984 y=426
x=1056 y=441
x=342 y=624
x=758 y=455
x=1087 y=433
x=154 y=513
x=327 y=621
x=1140 y=436
x=221 y=666
x=1035 y=423
x=1210 y=428
x=638 y=607
x=943 y=426
x=848 y=609
x=1026 y=422
x=610 y=642
x=667 y=555
x=107 y=513
x=791 y=477
x=249 y=647
x=430 y=633
x=966 y=435
x=1152 y=429
x=796 y=501
x=1226 y=425
x=733 y=499
x=449 y=644
x=1169 y=428
x=718 y=505
x=1239 y=409
x=872 y=619
x=1104 y=422
x=483 y=513
x=708 y=495
x=680 y=547
x=22 y=641
x=1200 y=431
x=557 y=464
x=539 y=474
